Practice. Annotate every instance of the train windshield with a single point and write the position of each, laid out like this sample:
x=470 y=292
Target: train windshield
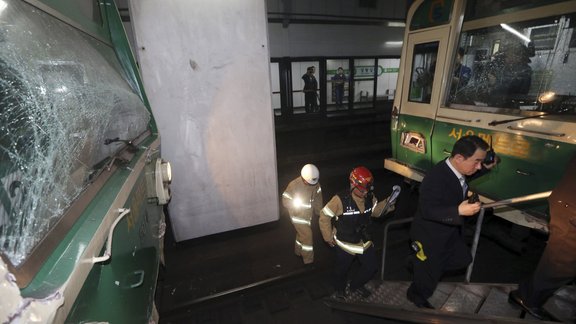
x=517 y=67
x=65 y=109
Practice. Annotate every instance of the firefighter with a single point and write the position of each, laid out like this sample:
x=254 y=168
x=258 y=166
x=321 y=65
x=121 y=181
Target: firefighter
x=345 y=224
x=303 y=199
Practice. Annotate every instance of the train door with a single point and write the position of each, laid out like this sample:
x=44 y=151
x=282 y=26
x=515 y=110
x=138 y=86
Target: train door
x=420 y=98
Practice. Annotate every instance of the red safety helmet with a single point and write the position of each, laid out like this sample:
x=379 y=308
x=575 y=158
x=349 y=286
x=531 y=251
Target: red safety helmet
x=361 y=178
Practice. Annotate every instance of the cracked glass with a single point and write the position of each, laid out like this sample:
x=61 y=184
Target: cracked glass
x=63 y=96
x=518 y=67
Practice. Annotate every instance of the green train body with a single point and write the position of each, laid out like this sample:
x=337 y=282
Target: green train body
x=83 y=182
x=516 y=91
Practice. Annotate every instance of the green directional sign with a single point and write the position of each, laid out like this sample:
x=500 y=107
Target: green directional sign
x=390 y=70
x=366 y=71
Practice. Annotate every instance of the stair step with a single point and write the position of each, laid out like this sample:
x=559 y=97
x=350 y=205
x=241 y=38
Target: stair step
x=455 y=303
x=496 y=304
x=442 y=293
x=388 y=293
x=561 y=304
x=466 y=299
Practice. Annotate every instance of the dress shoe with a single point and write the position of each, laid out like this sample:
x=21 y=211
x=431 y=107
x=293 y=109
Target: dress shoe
x=419 y=302
x=340 y=295
x=515 y=299
x=365 y=293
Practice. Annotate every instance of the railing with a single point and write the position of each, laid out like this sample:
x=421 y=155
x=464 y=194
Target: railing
x=481 y=219
x=394 y=222
x=477 y=231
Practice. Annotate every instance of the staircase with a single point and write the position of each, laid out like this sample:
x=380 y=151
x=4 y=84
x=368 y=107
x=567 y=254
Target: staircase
x=454 y=303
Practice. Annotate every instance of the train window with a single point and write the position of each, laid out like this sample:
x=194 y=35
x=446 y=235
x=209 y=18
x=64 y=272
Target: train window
x=516 y=68
x=476 y=9
x=64 y=111
x=423 y=70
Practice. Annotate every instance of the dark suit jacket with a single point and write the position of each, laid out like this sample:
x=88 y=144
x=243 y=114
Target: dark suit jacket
x=437 y=223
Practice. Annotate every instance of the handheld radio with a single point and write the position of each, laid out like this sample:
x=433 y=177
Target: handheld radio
x=490 y=154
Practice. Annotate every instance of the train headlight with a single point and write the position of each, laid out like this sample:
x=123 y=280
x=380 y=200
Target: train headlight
x=547 y=97
x=413 y=141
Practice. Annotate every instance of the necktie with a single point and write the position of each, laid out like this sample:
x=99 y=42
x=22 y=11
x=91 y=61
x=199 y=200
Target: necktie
x=464 y=186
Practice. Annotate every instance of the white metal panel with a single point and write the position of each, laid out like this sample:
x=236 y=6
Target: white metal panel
x=302 y=40
x=205 y=66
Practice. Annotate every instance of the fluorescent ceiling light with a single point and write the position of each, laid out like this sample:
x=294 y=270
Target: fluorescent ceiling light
x=396 y=24
x=515 y=32
x=393 y=43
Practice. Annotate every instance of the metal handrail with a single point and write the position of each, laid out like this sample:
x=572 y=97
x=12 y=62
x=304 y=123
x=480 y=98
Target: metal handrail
x=480 y=219
x=477 y=231
x=385 y=239
x=516 y=200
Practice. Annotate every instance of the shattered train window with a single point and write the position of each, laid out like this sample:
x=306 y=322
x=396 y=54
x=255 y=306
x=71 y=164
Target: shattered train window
x=516 y=68
x=62 y=95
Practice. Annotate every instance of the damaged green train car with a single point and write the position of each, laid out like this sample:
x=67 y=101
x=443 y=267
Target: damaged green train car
x=82 y=181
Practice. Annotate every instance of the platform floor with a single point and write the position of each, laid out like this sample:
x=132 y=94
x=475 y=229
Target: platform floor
x=252 y=275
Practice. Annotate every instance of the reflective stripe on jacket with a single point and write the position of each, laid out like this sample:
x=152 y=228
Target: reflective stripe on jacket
x=305 y=247
x=352 y=226
x=302 y=200
x=351 y=248
x=336 y=212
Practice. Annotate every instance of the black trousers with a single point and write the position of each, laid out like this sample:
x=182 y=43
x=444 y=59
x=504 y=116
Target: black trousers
x=368 y=267
x=557 y=265
x=310 y=102
x=455 y=255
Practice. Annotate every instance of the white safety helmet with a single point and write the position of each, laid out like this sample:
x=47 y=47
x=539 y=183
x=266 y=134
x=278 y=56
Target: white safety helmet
x=310 y=174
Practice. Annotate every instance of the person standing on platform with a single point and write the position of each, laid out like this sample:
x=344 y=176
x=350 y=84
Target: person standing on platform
x=345 y=223
x=310 y=88
x=436 y=230
x=338 y=81
x=557 y=265
x=303 y=199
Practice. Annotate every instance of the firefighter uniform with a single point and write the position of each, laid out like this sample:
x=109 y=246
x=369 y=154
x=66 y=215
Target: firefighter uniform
x=303 y=200
x=345 y=222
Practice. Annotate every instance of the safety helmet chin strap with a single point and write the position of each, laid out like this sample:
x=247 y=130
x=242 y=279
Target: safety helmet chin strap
x=360 y=192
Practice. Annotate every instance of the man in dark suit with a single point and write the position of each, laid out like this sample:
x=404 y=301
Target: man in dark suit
x=310 y=90
x=436 y=231
x=557 y=265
